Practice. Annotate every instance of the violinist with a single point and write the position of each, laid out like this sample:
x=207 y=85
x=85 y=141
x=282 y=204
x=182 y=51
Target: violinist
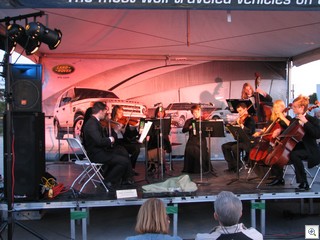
x=307 y=149
x=229 y=149
x=117 y=166
x=278 y=123
x=126 y=134
x=192 y=150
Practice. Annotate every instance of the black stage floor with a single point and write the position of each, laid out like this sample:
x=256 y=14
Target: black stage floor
x=208 y=185
x=282 y=213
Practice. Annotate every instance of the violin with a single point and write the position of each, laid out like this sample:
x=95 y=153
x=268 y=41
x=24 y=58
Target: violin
x=128 y=121
x=106 y=123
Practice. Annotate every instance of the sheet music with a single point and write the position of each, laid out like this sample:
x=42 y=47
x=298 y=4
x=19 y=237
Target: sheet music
x=145 y=131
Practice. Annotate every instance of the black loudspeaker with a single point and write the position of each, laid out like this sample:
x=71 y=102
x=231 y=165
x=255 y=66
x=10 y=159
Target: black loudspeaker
x=26 y=87
x=28 y=154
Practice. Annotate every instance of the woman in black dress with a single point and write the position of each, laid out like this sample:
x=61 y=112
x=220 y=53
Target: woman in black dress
x=192 y=151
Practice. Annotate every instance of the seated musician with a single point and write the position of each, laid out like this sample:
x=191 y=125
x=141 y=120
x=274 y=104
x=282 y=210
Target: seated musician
x=229 y=149
x=307 y=149
x=192 y=150
x=264 y=98
x=154 y=144
x=126 y=134
x=99 y=148
x=278 y=123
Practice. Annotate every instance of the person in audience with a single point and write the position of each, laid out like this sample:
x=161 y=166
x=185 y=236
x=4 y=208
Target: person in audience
x=153 y=222
x=154 y=143
x=228 y=211
x=126 y=134
x=98 y=145
x=230 y=149
x=192 y=149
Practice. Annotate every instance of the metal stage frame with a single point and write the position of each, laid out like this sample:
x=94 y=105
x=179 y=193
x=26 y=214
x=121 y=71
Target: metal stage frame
x=80 y=209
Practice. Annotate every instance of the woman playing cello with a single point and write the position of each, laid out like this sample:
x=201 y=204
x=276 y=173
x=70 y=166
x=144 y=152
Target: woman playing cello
x=279 y=122
x=307 y=149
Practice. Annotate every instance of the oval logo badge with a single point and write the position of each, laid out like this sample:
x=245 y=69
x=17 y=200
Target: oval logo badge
x=63 y=69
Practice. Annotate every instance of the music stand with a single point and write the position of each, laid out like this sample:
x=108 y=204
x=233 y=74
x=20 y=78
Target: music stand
x=211 y=128
x=161 y=127
x=233 y=103
x=239 y=135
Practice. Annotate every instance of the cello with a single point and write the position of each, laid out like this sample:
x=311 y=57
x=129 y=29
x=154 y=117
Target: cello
x=286 y=143
x=263 y=147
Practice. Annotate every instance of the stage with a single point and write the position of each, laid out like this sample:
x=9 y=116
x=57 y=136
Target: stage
x=208 y=188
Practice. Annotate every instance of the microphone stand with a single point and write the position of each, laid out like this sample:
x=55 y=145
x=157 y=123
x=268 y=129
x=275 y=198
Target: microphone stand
x=161 y=144
x=200 y=144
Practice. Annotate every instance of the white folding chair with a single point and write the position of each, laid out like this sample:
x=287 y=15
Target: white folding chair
x=309 y=174
x=91 y=171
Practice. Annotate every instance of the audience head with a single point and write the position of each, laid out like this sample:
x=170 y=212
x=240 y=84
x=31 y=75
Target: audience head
x=152 y=217
x=228 y=208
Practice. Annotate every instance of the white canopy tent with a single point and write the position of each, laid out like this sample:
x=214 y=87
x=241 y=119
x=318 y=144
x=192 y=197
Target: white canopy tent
x=181 y=34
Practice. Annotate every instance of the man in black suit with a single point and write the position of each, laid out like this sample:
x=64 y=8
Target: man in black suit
x=99 y=148
x=307 y=149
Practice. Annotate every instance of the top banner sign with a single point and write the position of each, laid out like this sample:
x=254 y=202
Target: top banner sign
x=257 y=5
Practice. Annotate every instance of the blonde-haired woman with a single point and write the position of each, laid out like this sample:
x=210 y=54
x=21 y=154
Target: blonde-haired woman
x=279 y=117
x=153 y=222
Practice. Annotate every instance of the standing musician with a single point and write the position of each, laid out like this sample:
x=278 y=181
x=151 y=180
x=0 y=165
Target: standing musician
x=117 y=166
x=126 y=134
x=192 y=150
x=307 y=149
x=229 y=149
x=264 y=98
x=278 y=123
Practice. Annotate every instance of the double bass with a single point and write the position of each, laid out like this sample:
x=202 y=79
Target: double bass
x=263 y=111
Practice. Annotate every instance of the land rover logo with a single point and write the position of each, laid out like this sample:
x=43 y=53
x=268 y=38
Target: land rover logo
x=63 y=69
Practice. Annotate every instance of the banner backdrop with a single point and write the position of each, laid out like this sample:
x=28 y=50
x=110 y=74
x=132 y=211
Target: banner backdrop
x=263 y=5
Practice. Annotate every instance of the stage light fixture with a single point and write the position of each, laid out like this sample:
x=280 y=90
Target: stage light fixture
x=50 y=37
x=18 y=34
x=12 y=44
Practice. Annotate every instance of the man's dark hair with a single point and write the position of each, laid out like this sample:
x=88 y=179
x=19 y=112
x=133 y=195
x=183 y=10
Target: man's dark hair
x=241 y=105
x=97 y=106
